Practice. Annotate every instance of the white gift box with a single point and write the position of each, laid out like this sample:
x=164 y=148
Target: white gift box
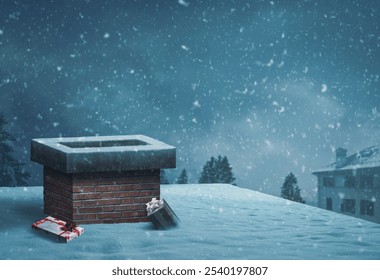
x=161 y=215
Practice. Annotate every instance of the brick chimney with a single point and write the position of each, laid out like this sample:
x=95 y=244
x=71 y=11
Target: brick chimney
x=103 y=179
x=341 y=157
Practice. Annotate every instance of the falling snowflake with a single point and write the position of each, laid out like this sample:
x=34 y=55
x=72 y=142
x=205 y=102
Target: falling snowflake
x=186 y=48
x=183 y=3
x=196 y=104
x=270 y=63
x=324 y=88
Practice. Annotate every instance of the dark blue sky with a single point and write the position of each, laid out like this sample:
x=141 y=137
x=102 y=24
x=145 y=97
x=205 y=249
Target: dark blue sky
x=274 y=85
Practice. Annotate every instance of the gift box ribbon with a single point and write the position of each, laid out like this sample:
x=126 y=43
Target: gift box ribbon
x=154 y=205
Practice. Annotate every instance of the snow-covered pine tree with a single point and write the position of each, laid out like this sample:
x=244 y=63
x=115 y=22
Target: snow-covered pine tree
x=290 y=189
x=217 y=171
x=183 y=179
x=11 y=171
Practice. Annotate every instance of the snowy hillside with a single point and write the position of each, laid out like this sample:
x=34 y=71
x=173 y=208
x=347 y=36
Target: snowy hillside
x=218 y=222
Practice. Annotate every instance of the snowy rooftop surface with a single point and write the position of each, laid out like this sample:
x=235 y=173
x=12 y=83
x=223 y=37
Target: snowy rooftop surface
x=218 y=222
x=369 y=157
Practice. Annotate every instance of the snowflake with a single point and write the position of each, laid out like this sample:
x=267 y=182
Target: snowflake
x=183 y=3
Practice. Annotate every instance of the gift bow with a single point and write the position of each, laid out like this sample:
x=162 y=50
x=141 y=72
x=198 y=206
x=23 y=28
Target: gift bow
x=154 y=205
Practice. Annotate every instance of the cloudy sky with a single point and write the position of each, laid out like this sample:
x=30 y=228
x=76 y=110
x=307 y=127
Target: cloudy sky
x=275 y=86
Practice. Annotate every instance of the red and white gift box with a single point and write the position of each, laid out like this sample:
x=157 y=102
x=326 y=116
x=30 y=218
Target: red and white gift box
x=58 y=228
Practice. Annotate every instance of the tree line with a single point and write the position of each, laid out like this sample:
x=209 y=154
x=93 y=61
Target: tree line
x=12 y=172
x=218 y=170
x=215 y=170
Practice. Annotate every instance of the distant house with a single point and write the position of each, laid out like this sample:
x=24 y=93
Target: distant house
x=351 y=185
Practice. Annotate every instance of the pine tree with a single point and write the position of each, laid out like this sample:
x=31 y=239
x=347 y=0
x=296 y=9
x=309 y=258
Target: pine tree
x=217 y=171
x=226 y=174
x=207 y=175
x=11 y=171
x=163 y=178
x=183 y=179
x=290 y=189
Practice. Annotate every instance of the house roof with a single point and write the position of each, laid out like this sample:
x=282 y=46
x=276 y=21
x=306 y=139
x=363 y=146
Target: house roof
x=217 y=222
x=367 y=158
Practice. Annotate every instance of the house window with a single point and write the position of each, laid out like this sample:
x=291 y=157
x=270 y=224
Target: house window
x=349 y=181
x=348 y=206
x=328 y=182
x=329 y=203
x=367 y=207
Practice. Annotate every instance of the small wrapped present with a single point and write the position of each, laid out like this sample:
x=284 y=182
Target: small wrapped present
x=58 y=229
x=161 y=215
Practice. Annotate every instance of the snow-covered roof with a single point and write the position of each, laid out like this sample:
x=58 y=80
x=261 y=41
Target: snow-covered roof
x=367 y=158
x=218 y=222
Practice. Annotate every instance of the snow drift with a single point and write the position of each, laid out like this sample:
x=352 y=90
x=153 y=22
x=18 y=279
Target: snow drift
x=218 y=222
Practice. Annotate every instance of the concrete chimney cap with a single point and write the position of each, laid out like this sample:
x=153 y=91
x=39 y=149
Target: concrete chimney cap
x=103 y=153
